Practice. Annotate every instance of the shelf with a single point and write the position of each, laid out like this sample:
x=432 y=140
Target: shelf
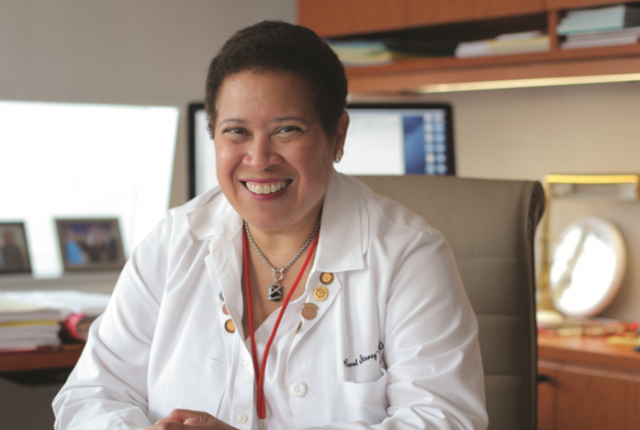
x=413 y=76
x=466 y=20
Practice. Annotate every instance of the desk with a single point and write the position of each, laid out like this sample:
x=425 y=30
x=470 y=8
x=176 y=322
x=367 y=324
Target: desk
x=592 y=386
x=37 y=360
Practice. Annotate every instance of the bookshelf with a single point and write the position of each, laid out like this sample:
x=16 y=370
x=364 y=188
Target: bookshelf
x=465 y=20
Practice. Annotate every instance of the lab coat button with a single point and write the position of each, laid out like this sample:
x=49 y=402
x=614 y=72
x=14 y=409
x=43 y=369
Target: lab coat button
x=247 y=361
x=230 y=326
x=326 y=278
x=242 y=418
x=299 y=389
x=320 y=293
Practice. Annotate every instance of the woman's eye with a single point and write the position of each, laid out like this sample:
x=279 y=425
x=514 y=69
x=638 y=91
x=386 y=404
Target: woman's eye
x=289 y=129
x=235 y=130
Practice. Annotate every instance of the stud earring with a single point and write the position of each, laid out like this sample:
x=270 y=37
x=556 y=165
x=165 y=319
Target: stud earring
x=338 y=156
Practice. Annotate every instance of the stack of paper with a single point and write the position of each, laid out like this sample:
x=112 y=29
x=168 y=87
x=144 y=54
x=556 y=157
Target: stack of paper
x=26 y=327
x=31 y=319
x=362 y=53
x=380 y=52
x=600 y=19
x=616 y=25
x=513 y=43
x=67 y=301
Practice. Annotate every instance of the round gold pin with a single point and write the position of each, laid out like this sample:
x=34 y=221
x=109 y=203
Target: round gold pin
x=230 y=326
x=309 y=311
x=225 y=310
x=326 y=278
x=320 y=293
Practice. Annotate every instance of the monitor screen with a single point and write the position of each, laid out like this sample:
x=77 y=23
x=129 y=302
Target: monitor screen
x=383 y=139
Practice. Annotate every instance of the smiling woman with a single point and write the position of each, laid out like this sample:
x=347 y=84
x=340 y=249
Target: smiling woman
x=290 y=296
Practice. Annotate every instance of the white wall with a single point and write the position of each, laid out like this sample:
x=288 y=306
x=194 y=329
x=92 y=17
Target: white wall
x=148 y=52
x=528 y=133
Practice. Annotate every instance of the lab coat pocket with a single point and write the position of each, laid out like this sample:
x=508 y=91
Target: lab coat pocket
x=367 y=401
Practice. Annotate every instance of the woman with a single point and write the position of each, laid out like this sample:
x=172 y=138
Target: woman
x=355 y=300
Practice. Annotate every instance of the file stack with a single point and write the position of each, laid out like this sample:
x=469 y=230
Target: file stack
x=33 y=319
x=24 y=326
x=513 y=43
x=362 y=53
x=381 y=52
x=616 y=25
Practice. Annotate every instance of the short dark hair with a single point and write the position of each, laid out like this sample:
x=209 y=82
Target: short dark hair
x=275 y=46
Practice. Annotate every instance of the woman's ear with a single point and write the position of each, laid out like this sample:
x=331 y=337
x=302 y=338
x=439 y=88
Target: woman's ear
x=341 y=135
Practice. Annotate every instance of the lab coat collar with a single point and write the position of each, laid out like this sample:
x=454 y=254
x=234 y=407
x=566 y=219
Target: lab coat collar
x=342 y=239
x=343 y=229
x=216 y=221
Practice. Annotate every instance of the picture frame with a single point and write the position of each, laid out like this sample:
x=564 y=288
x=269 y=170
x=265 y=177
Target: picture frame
x=90 y=244
x=14 y=249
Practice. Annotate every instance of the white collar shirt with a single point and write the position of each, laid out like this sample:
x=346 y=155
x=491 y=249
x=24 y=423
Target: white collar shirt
x=393 y=346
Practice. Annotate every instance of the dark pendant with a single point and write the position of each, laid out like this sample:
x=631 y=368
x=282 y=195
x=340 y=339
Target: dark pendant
x=275 y=292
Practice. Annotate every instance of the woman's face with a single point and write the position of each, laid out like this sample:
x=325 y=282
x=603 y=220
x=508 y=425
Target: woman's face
x=273 y=158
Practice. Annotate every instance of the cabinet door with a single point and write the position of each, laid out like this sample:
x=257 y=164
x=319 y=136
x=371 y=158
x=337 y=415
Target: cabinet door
x=572 y=4
x=342 y=17
x=546 y=396
x=590 y=398
x=426 y=12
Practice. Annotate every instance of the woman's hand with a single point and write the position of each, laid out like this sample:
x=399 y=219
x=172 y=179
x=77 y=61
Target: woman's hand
x=184 y=419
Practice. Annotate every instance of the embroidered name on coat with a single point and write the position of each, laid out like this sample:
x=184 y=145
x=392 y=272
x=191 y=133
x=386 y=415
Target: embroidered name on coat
x=362 y=358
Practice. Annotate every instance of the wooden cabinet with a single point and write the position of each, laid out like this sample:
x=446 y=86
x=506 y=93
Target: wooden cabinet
x=591 y=385
x=331 y=18
x=465 y=20
x=421 y=12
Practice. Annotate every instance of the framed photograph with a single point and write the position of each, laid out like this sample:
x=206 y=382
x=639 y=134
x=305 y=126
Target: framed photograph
x=90 y=244
x=14 y=252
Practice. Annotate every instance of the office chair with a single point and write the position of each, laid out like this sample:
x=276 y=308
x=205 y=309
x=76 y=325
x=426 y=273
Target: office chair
x=490 y=225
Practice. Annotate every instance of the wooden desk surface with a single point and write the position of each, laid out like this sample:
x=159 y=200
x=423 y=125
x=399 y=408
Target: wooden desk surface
x=571 y=349
x=38 y=360
x=588 y=350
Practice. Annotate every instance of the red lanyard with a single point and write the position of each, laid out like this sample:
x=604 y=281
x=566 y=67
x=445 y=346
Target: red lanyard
x=262 y=410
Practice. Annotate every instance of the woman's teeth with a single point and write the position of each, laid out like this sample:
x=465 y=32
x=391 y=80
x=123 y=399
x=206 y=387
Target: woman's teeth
x=265 y=188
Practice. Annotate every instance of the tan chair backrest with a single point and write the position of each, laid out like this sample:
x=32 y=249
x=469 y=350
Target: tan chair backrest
x=490 y=225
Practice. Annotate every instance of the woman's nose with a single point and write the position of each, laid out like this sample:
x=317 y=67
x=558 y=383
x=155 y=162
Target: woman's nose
x=261 y=154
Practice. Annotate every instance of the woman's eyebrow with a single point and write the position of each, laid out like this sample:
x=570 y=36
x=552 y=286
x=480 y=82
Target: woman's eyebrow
x=236 y=120
x=289 y=118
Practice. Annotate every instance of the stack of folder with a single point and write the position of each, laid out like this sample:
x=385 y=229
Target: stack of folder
x=355 y=53
x=615 y=25
x=24 y=326
x=506 y=44
x=33 y=319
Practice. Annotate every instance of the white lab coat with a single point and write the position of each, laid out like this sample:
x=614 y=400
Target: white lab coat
x=394 y=346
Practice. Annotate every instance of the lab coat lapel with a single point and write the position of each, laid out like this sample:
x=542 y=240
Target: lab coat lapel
x=221 y=225
x=340 y=248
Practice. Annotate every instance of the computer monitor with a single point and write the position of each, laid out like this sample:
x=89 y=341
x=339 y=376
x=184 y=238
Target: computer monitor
x=383 y=139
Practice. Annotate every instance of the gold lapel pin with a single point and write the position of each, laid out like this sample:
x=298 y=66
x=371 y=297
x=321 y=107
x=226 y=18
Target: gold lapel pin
x=320 y=293
x=309 y=311
x=326 y=278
